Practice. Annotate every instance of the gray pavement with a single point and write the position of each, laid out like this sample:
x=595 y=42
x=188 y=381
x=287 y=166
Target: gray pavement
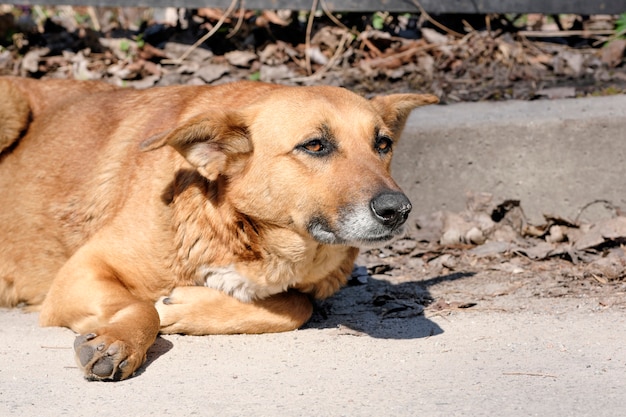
x=477 y=364
x=562 y=358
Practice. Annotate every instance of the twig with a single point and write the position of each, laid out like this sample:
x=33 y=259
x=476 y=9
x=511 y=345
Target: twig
x=200 y=41
x=346 y=36
x=444 y=312
x=360 y=35
x=532 y=45
x=611 y=38
x=600 y=279
x=376 y=62
x=607 y=204
x=41 y=16
x=94 y=18
x=332 y=17
x=434 y=22
x=564 y=33
x=487 y=22
x=307 y=42
x=242 y=12
x=375 y=51
x=530 y=374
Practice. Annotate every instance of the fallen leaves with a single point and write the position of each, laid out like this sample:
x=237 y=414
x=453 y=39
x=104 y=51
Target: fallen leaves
x=275 y=46
x=503 y=228
x=444 y=245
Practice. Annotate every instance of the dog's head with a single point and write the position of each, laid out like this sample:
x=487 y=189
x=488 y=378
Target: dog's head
x=315 y=160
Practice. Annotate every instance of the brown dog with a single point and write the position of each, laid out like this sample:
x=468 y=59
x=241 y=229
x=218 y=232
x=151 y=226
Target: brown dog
x=236 y=203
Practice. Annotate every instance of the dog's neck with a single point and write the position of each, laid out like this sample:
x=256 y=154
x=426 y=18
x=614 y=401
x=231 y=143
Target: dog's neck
x=221 y=248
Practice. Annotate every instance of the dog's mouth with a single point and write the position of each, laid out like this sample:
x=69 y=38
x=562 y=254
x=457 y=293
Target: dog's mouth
x=354 y=228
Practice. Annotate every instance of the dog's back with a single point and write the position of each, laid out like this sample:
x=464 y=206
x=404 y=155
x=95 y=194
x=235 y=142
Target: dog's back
x=24 y=98
x=61 y=174
x=27 y=249
x=69 y=155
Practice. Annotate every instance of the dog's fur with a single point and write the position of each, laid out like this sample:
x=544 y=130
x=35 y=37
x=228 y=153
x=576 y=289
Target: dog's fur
x=226 y=207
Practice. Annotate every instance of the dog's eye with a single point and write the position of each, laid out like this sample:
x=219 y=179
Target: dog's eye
x=316 y=147
x=383 y=144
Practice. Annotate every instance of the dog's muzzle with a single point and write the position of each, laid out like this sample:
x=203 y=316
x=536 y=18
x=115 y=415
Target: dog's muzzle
x=363 y=226
x=391 y=209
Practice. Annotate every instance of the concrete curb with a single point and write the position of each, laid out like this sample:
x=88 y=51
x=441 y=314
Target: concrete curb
x=555 y=156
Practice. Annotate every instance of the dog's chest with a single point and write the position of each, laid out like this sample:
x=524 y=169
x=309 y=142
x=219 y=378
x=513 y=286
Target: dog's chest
x=272 y=275
x=230 y=281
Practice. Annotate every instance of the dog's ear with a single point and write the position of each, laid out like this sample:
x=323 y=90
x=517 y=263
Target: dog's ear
x=395 y=108
x=213 y=144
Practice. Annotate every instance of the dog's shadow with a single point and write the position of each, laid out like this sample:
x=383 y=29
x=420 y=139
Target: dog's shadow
x=159 y=348
x=381 y=309
x=376 y=308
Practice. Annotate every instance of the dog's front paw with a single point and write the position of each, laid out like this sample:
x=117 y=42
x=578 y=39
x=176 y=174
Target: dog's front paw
x=196 y=310
x=199 y=311
x=103 y=357
x=172 y=311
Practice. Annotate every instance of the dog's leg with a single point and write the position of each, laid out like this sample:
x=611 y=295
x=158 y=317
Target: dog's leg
x=116 y=328
x=202 y=310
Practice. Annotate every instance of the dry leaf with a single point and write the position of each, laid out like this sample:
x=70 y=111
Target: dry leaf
x=603 y=230
x=273 y=17
x=211 y=13
x=212 y=72
x=491 y=249
x=542 y=250
x=432 y=36
x=241 y=59
x=613 y=53
x=557 y=92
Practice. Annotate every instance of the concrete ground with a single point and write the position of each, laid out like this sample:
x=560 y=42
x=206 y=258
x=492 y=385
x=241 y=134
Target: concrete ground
x=571 y=363
x=555 y=357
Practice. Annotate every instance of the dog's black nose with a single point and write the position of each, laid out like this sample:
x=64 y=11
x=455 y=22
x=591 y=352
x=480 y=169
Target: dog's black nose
x=391 y=208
